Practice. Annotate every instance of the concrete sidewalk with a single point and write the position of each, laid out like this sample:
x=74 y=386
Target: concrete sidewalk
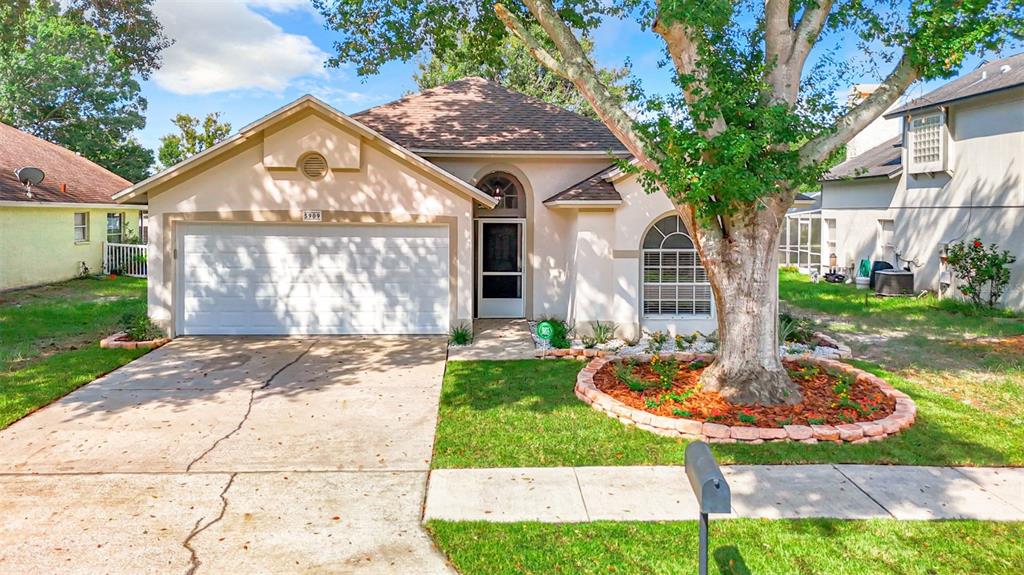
x=575 y=494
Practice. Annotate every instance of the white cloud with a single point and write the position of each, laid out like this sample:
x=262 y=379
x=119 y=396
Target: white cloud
x=225 y=45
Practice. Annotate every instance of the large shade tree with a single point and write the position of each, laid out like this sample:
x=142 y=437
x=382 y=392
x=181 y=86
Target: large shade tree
x=516 y=68
x=754 y=116
x=69 y=73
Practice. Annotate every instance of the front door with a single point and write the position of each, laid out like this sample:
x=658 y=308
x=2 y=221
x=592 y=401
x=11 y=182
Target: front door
x=500 y=248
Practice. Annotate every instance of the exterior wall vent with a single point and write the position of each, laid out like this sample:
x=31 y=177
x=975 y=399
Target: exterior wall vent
x=313 y=166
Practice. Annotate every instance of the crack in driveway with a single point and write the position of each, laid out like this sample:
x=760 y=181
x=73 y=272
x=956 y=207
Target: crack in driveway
x=194 y=561
x=248 y=410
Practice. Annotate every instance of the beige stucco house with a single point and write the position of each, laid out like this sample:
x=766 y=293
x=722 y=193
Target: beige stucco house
x=60 y=230
x=461 y=202
x=953 y=172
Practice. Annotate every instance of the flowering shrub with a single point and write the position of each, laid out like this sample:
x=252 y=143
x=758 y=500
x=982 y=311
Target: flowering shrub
x=977 y=266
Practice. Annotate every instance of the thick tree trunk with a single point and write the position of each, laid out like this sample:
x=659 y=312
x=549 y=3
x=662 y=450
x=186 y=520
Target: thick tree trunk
x=743 y=271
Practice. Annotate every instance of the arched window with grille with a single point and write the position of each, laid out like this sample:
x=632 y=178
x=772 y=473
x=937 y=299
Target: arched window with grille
x=674 y=281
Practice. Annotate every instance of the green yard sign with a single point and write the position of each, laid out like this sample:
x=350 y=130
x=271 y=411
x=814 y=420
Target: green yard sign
x=545 y=330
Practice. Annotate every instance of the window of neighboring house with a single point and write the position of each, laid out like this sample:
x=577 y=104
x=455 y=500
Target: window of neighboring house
x=926 y=143
x=81 y=226
x=886 y=240
x=115 y=228
x=674 y=280
x=830 y=239
x=144 y=227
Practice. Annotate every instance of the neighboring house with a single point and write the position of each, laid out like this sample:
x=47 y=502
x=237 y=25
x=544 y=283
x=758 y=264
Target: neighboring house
x=464 y=201
x=60 y=231
x=955 y=171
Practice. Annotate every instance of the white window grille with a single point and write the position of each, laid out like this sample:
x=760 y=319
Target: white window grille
x=926 y=141
x=674 y=280
x=81 y=226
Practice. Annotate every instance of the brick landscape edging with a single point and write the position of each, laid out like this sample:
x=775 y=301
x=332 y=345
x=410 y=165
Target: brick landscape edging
x=859 y=432
x=113 y=342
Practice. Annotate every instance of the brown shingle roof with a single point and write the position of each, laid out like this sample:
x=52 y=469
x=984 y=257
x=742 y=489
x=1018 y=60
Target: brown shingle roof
x=990 y=77
x=474 y=114
x=884 y=159
x=592 y=189
x=85 y=182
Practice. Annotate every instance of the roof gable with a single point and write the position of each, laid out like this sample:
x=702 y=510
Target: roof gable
x=274 y=119
x=84 y=181
x=884 y=159
x=597 y=189
x=990 y=77
x=474 y=114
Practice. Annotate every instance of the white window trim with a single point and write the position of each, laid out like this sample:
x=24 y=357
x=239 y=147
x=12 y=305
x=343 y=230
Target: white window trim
x=84 y=227
x=120 y=215
x=931 y=167
x=695 y=284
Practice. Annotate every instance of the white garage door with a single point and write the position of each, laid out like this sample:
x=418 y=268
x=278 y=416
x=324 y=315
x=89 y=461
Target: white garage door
x=313 y=279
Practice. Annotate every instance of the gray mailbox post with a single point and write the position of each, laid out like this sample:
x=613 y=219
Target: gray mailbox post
x=711 y=490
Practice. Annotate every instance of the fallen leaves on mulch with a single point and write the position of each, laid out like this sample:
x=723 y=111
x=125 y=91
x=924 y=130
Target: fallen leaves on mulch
x=821 y=403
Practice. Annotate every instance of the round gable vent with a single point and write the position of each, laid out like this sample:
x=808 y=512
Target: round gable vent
x=313 y=166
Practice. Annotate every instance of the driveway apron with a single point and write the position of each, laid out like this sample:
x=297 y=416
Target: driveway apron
x=231 y=455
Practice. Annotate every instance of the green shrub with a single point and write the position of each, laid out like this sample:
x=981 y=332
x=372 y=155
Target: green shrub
x=978 y=266
x=460 y=334
x=795 y=329
x=138 y=327
x=603 y=332
x=624 y=373
x=561 y=333
x=589 y=342
x=666 y=370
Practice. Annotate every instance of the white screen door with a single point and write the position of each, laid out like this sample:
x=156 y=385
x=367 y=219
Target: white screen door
x=500 y=278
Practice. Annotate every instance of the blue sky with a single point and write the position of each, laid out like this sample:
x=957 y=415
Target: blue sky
x=245 y=58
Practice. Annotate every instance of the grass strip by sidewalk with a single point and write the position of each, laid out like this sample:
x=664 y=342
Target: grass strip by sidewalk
x=738 y=547
x=524 y=414
x=42 y=382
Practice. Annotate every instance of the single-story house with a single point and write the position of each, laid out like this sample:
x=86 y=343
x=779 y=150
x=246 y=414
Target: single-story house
x=954 y=172
x=59 y=231
x=460 y=202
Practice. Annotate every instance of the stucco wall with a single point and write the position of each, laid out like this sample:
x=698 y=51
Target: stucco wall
x=982 y=195
x=550 y=232
x=637 y=214
x=239 y=187
x=37 y=244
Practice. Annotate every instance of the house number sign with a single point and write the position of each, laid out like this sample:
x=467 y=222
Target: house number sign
x=312 y=216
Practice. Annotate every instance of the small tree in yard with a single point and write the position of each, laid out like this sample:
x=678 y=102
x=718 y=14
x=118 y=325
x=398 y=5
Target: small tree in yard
x=192 y=137
x=753 y=117
x=978 y=266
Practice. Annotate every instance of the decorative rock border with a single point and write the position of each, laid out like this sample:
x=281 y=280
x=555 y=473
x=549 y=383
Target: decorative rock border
x=115 y=342
x=826 y=340
x=842 y=351
x=574 y=353
x=859 y=432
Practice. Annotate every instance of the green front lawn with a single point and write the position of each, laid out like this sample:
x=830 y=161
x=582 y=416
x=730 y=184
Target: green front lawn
x=524 y=414
x=49 y=339
x=738 y=547
x=968 y=392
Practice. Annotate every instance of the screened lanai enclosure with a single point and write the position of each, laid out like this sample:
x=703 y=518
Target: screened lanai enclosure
x=800 y=241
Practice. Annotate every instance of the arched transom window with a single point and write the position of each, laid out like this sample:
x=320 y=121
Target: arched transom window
x=508 y=191
x=675 y=283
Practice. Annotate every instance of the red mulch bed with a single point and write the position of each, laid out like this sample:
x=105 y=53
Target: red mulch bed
x=821 y=405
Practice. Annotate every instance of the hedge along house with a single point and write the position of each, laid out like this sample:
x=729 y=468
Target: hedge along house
x=59 y=231
x=460 y=202
x=954 y=172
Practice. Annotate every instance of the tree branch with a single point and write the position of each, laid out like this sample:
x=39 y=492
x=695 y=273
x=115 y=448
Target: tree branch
x=858 y=118
x=575 y=66
x=807 y=32
x=683 y=51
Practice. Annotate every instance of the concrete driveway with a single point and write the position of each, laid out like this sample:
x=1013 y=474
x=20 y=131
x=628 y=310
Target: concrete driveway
x=231 y=455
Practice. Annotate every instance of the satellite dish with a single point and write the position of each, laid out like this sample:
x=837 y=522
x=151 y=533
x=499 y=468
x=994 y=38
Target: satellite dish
x=29 y=176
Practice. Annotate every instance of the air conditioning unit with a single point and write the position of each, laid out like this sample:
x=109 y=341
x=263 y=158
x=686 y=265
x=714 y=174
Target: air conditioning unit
x=894 y=282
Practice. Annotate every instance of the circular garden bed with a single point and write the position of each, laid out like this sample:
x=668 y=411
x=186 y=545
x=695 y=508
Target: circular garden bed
x=662 y=394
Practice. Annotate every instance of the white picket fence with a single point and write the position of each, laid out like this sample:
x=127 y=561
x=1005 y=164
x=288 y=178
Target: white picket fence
x=125 y=260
